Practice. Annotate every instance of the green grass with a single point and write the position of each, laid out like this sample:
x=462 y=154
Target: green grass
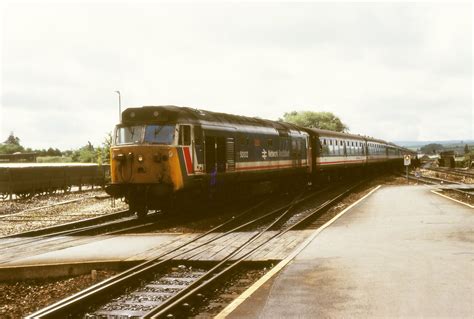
x=54 y=159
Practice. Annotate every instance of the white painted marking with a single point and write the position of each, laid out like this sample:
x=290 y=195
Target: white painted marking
x=455 y=200
x=247 y=293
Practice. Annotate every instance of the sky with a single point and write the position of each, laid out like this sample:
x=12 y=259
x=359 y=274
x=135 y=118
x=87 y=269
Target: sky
x=396 y=71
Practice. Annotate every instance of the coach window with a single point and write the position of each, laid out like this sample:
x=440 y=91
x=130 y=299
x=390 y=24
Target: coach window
x=184 y=135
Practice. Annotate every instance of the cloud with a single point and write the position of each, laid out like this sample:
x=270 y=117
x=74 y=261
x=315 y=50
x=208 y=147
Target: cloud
x=393 y=70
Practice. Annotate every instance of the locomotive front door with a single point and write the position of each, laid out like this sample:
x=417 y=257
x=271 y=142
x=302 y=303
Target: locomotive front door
x=221 y=156
x=210 y=153
x=215 y=154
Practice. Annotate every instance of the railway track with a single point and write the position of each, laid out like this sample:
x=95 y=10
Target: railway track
x=462 y=193
x=157 y=288
x=62 y=236
x=432 y=180
x=452 y=171
x=84 y=231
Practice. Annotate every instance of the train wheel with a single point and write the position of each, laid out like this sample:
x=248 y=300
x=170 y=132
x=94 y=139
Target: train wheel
x=142 y=213
x=138 y=208
x=67 y=189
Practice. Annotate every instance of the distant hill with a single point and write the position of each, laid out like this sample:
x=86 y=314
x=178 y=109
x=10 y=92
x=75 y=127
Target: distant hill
x=449 y=143
x=458 y=146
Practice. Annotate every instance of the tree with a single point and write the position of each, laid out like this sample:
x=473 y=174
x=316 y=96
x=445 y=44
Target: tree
x=466 y=149
x=53 y=152
x=12 y=139
x=105 y=149
x=431 y=148
x=321 y=120
x=85 y=154
x=11 y=145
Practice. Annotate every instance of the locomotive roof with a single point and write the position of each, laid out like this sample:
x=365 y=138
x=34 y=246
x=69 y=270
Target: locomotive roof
x=175 y=114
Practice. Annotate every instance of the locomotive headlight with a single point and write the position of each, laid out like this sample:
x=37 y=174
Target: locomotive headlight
x=140 y=158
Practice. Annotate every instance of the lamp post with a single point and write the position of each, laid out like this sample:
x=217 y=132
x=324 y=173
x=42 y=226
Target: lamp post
x=120 y=105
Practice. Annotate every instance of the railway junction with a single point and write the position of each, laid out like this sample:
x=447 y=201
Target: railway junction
x=374 y=250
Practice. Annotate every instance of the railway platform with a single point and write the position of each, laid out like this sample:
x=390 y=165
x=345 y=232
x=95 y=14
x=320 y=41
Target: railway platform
x=401 y=252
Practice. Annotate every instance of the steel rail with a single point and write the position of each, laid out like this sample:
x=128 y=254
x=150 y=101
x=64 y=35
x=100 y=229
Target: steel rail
x=210 y=277
x=429 y=180
x=199 y=284
x=64 y=306
x=52 y=242
x=67 y=305
x=452 y=171
x=56 y=229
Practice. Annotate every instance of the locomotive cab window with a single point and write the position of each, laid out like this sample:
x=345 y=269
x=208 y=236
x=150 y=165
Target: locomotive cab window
x=128 y=134
x=159 y=134
x=184 y=135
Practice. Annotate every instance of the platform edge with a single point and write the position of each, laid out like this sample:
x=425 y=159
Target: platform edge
x=454 y=200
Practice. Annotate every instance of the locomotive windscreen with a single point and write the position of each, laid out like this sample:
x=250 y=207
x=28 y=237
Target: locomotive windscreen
x=152 y=134
x=159 y=134
x=129 y=134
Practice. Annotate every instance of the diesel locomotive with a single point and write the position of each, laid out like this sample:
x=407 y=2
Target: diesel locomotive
x=163 y=153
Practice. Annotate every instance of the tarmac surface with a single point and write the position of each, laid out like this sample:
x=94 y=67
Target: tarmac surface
x=401 y=252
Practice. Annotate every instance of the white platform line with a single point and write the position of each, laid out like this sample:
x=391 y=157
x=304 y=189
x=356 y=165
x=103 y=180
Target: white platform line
x=247 y=293
x=455 y=200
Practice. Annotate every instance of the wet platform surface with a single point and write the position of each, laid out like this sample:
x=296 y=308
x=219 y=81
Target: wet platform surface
x=401 y=252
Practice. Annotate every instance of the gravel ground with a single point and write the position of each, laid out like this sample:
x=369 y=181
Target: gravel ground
x=447 y=176
x=14 y=206
x=19 y=299
x=21 y=216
